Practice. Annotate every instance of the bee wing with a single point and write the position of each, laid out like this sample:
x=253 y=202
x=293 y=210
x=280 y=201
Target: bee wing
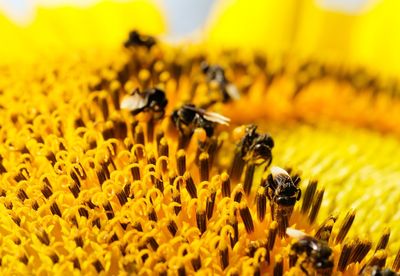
x=134 y=102
x=294 y=233
x=216 y=118
x=276 y=171
x=232 y=91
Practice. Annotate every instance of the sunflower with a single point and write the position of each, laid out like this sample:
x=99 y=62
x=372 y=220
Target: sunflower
x=123 y=154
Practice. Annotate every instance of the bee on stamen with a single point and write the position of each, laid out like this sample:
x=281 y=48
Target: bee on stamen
x=283 y=192
x=140 y=40
x=253 y=147
x=188 y=117
x=152 y=99
x=216 y=74
x=312 y=252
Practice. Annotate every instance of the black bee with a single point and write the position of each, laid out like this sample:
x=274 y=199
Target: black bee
x=152 y=99
x=216 y=73
x=315 y=252
x=136 y=39
x=255 y=146
x=188 y=117
x=377 y=271
x=282 y=191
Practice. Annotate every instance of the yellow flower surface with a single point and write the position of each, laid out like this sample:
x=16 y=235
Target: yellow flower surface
x=123 y=155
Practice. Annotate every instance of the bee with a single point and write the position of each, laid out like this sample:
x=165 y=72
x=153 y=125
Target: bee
x=255 y=146
x=316 y=253
x=283 y=192
x=188 y=117
x=137 y=39
x=152 y=99
x=215 y=73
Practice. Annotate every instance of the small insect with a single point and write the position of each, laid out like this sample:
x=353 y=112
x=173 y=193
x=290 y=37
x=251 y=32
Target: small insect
x=255 y=146
x=217 y=74
x=137 y=39
x=152 y=99
x=316 y=253
x=188 y=117
x=282 y=191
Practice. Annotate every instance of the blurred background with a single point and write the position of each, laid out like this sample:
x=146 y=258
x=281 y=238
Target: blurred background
x=359 y=32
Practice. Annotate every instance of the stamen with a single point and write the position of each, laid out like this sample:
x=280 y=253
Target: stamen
x=308 y=196
x=292 y=258
x=139 y=135
x=325 y=230
x=135 y=171
x=278 y=267
x=74 y=188
x=35 y=205
x=237 y=166
x=22 y=195
x=204 y=167
x=345 y=227
x=181 y=271
x=190 y=187
x=172 y=227
x=163 y=149
x=83 y=212
x=226 y=185
x=151 y=158
x=150 y=130
x=98 y=266
x=383 y=241
x=79 y=241
x=24 y=259
x=272 y=232
x=159 y=184
x=138 y=226
x=316 y=205
x=122 y=198
x=109 y=210
x=55 y=210
x=201 y=220
x=76 y=263
x=96 y=222
x=344 y=258
x=261 y=201
x=43 y=237
x=235 y=225
x=181 y=162
x=396 y=262
x=196 y=263
x=210 y=203
x=378 y=259
x=212 y=150
x=223 y=254
x=361 y=249
x=51 y=157
x=248 y=178
x=153 y=243
x=238 y=194
x=246 y=217
x=152 y=215
x=2 y=168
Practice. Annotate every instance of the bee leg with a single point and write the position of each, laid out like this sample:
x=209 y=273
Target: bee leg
x=282 y=215
x=298 y=195
x=303 y=268
x=272 y=205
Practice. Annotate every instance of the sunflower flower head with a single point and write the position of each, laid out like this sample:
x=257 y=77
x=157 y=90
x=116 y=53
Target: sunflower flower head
x=148 y=158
